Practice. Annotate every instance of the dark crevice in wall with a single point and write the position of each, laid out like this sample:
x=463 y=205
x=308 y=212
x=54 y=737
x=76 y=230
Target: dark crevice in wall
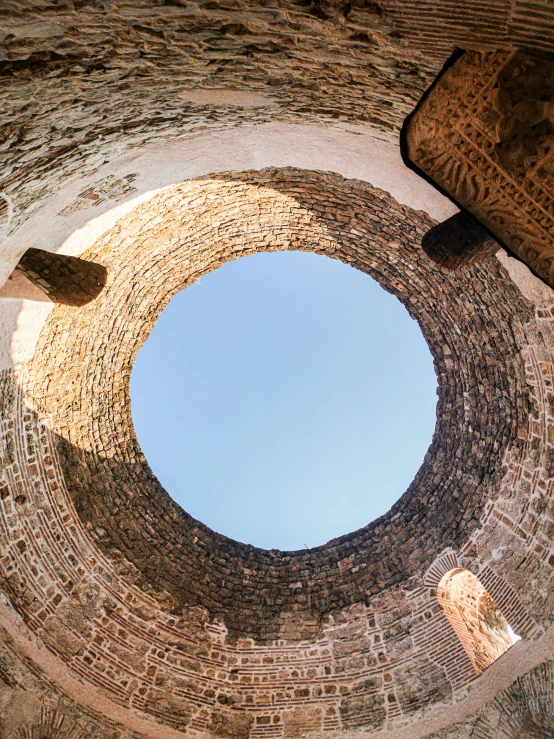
x=457 y=242
x=41 y=275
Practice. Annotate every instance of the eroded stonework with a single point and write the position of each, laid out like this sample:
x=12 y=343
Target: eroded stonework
x=485 y=134
x=278 y=596
x=83 y=82
x=376 y=653
x=120 y=616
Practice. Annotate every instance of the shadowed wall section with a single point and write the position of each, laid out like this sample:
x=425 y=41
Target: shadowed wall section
x=55 y=277
x=457 y=242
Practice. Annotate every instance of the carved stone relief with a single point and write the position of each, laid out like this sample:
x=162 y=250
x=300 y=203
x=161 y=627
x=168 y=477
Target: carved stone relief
x=485 y=134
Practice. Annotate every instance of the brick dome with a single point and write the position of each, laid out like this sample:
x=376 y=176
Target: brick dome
x=146 y=144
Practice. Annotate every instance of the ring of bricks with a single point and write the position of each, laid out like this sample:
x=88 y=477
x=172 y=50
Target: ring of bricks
x=179 y=626
x=166 y=244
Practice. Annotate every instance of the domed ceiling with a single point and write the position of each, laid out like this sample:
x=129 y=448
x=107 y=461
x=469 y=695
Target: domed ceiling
x=151 y=142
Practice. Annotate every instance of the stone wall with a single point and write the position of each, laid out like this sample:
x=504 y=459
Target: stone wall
x=120 y=616
x=211 y=222
x=81 y=83
x=458 y=241
x=80 y=86
x=89 y=596
x=60 y=278
x=523 y=711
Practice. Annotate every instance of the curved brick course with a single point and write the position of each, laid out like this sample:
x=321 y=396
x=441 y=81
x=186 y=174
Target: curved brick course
x=169 y=243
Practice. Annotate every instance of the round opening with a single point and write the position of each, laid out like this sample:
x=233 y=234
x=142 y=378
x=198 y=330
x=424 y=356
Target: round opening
x=188 y=230
x=284 y=400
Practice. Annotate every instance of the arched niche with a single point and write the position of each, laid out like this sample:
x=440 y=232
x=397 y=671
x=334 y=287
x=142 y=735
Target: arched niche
x=458 y=242
x=477 y=621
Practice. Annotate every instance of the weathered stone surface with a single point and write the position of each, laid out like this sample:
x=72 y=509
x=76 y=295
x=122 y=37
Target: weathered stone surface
x=114 y=490
x=299 y=722
x=485 y=134
x=60 y=279
x=120 y=616
x=251 y=647
x=419 y=684
x=80 y=84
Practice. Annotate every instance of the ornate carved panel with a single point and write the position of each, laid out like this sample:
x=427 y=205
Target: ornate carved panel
x=485 y=134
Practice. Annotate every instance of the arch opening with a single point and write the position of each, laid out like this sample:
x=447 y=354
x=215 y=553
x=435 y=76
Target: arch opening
x=214 y=221
x=305 y=377
x=479 y=624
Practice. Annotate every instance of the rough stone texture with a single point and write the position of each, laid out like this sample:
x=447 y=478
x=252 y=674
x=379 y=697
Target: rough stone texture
x=265 y=594
x=108 y=188
x=82 y=82
x=161 y=655
x=485 y=134
x=478 y=622
x=120 y=616
x=436 y=26
x=81 y=85
x=63 y=279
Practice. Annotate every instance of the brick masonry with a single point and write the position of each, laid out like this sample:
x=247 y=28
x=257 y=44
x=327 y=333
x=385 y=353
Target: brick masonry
x=120 y=616
x=83 y=82
x=478 y=622
x=177 y=627
x=60 y=278
x=284 y=597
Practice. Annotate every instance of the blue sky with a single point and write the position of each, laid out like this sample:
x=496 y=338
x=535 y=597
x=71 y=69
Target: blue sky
x=285 y=400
